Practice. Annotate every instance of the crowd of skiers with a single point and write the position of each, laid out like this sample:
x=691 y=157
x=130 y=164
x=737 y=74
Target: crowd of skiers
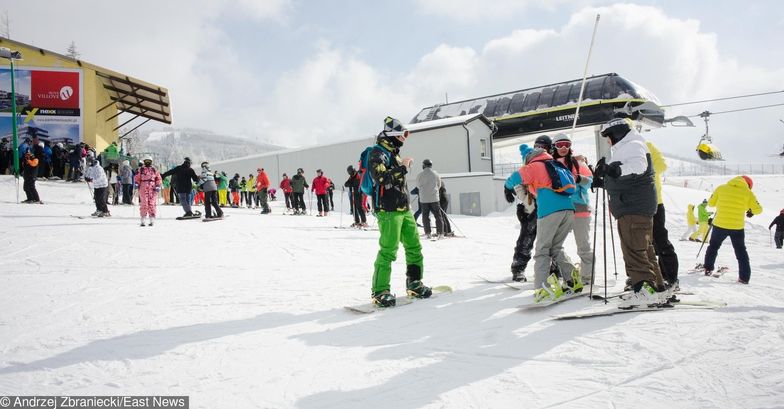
x=631 y=178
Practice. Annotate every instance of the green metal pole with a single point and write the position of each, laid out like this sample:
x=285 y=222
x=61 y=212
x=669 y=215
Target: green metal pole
x=13 y=121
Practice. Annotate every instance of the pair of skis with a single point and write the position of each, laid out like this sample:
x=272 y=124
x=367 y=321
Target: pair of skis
x=612 y=310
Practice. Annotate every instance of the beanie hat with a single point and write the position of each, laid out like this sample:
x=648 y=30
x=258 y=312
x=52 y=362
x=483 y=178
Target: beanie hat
x=524 y=150
x=748 y=181
x=427 y=163
x=532 y=154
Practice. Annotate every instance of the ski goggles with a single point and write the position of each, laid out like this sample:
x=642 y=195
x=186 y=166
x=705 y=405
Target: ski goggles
x=563 y=144
x=397 y=134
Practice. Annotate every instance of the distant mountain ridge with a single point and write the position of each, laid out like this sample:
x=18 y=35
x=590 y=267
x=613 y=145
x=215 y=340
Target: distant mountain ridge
x=171 y=145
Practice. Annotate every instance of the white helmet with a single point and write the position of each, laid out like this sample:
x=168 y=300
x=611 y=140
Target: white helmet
x=147 y=157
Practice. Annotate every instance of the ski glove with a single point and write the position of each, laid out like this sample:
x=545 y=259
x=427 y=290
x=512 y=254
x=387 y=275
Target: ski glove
x=749 y=214
x=509 y=194
x=710 y=221
x=601 y=169
x=614 y=170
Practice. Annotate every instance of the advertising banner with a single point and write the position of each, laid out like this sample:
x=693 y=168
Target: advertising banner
x=48 y=103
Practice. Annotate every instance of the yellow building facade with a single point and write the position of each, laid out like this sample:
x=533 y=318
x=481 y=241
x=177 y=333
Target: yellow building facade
x=104 y=95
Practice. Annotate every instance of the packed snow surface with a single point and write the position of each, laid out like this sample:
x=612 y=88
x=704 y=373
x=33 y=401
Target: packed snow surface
x=248 y=313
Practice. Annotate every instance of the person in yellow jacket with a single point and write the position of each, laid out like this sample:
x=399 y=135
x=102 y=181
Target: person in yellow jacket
x=732 y=201
x=703 y=215
x=253 y=199
x=691 y=223
x=665 y=251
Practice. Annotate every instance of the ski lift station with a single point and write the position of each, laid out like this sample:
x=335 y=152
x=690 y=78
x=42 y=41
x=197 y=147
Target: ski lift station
x=467 y=140
x=64 y=99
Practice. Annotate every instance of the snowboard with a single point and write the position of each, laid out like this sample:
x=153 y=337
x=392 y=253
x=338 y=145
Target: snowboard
x=547 y=303
x=509 y=283
x=680 y=306
x=196 y=215
x=215 y=218
x=369 y=308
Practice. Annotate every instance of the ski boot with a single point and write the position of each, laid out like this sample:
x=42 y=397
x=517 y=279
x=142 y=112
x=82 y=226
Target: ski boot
x=518 y=277
x=415 y=289
x=142 y=222
x=384 y=299
x=644 y=296
x=152 y=220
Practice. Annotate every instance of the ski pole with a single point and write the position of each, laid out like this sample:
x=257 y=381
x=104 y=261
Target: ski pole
x=90 y=189
x=704 y=239
x=342 y=193
x=451 y=222
x=593 y=253
x=604 y=240
x=310 y=203
x=612 y=241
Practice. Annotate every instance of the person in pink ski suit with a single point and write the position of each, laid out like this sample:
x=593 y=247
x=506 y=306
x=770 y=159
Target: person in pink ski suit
x=149 y=181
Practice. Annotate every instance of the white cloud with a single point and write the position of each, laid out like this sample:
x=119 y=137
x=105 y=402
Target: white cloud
x=474 y=11
x=336 y=94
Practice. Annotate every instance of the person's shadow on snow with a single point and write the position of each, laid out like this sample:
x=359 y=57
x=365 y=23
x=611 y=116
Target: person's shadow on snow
x=460 y=338
x=150 y=343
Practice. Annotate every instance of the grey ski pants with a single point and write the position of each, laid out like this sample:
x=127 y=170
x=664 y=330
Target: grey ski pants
x=551 y=231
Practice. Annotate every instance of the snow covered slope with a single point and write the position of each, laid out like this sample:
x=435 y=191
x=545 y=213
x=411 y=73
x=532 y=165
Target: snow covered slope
x=247 y=312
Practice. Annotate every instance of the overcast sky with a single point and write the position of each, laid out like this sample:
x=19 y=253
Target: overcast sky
x=297 y=72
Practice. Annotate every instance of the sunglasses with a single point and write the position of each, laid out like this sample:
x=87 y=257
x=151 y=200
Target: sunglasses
x=563 y=144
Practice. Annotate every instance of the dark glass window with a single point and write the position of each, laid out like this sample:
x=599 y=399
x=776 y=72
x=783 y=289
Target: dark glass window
x=561 y=96
x=490 y=108
x=593 y=89
x=531 y=101
x=502 y=106
x=546 y=100
x=609 y=90
x=517 y=103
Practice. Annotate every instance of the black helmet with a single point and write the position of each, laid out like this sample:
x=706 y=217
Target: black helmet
x=427 y=164
x=544 y=142
x=299 y=170
x=616 y=129
x=350 y=170
x=187 y=161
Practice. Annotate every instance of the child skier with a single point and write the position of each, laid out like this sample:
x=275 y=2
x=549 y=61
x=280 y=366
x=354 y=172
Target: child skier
x=702 y=217
x=97 y=176
x=149 y=181
x=691 y=224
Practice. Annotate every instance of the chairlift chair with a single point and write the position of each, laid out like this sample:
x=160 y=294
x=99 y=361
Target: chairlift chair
x=705 y=148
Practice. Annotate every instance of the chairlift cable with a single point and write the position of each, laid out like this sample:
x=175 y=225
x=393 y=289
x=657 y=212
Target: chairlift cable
x=706 y=113
x=722 y=99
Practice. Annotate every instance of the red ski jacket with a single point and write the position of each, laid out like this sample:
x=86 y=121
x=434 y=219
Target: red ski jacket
x=285 y=185
x=320 y=185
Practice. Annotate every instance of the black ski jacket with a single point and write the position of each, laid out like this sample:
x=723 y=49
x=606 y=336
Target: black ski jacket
x=778 y=222
x=183 y=175
x=389 y=177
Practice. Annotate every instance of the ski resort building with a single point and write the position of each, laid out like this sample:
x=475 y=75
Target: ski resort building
x=460 y=148
x=69 y=100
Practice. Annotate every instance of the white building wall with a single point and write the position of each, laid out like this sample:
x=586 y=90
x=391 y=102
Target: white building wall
x=446 y=145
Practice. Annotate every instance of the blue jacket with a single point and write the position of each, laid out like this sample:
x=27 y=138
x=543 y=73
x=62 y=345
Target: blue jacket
x=535 y=176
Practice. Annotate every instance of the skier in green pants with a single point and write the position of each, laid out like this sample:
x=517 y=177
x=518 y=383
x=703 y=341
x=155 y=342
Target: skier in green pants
x=395 y=221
